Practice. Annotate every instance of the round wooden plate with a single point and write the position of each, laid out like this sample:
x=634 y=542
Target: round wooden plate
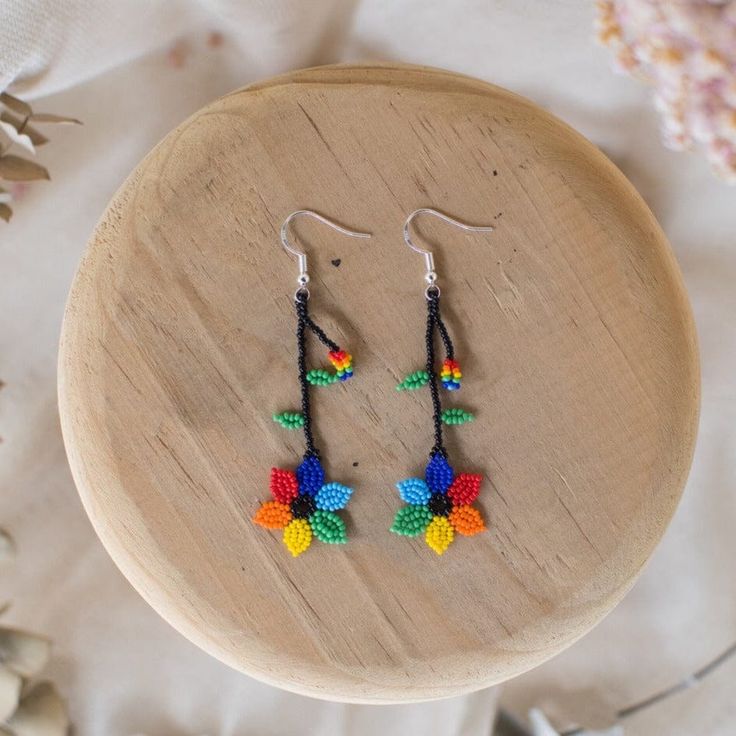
x=572 y=326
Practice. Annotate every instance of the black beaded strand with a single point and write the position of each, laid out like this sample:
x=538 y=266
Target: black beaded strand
x=444 y=334
x=321 y=336
x=305 y=321
x=300 y=300
x=434 y=321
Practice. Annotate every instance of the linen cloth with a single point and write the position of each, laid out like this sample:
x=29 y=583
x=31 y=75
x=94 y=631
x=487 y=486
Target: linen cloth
x=132 y=70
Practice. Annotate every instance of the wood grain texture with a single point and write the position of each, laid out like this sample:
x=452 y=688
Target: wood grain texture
x=572 y=326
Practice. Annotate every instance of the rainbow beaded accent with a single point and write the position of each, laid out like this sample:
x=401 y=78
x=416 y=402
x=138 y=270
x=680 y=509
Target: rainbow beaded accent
x=343 y=363
x=304 y=506
x=451 y=375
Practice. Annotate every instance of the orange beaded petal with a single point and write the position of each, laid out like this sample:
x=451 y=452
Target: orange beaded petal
x=284 y=485
x=466 y=520
x=273 y=515
x=465 y=488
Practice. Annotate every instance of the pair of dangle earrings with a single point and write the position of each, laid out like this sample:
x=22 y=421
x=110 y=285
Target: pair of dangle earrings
x=304 y=504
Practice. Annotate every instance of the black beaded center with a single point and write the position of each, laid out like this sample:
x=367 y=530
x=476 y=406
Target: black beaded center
x=440 y=504
x=302 y=507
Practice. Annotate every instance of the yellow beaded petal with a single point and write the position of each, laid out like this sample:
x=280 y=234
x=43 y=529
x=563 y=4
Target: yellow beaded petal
x=439 y=534
x=298 y=536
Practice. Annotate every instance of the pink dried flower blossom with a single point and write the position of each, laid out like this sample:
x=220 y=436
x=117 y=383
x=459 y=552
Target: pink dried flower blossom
x=686 y=49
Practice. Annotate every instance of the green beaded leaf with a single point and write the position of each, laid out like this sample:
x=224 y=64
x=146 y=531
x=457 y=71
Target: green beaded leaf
x=328 y=527
x=457 y=416
x=411 y=520
x=321 y=377
x=413 y=381
x=289 y=419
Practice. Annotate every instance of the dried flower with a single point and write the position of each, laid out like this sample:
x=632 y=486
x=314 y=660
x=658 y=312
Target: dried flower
x=687 y=52
x=35 y=710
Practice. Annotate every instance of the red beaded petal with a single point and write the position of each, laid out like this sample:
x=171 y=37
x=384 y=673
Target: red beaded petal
x=465 y=489
x=284 y=485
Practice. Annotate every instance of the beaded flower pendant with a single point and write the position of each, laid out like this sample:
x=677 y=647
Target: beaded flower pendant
x=438 y=506
x=303 y=504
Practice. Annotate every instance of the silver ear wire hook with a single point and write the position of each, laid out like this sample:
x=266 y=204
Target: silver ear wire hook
x=431 y=276
x=301 y=257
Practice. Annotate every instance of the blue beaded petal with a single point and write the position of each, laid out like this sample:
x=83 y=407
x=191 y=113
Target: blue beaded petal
x=311 y=476
x=439 y=474
x=414 y=491
x=333 y=496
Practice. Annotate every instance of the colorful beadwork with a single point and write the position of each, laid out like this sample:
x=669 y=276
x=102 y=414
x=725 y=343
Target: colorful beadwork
x=310 y=475
x=439 y=534
x=411 y=520
x=304 y=506
x=438 y=474
x=456 y=416
x=414 y=491
x=321 y=377
x=343 y=363
x=332 y=496
x=328 y=527
x=284 y=485
x=298 y=536
x=289 y=419
x=439 y=505
x=465 y=488
x=414 y=381
x=451 y=374
x=273 y=515
x=466 y=520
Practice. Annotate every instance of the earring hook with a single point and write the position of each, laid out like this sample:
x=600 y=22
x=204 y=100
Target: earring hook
x=431 y=276
x=301 y=257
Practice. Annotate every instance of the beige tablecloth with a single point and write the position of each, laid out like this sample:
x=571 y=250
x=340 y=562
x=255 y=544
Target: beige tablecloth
x=133 y=69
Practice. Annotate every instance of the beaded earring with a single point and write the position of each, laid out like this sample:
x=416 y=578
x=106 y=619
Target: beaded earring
x=440 y=504
x=303 y=504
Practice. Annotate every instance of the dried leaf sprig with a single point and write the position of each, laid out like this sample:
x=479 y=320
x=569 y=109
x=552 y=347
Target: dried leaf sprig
x=26 y=709
x=15 y=123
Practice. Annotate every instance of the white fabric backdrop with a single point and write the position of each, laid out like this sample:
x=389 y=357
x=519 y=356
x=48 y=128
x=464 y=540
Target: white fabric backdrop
x=120 y=67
